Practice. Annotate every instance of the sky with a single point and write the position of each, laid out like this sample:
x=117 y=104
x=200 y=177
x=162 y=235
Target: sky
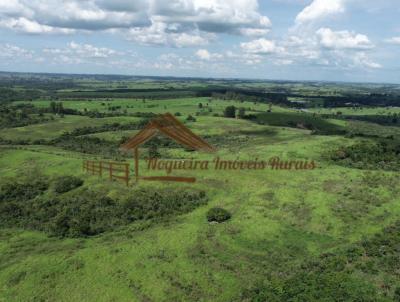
x=318 y=40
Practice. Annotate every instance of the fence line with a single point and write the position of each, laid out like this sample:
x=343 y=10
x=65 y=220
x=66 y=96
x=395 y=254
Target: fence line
x=113 y=169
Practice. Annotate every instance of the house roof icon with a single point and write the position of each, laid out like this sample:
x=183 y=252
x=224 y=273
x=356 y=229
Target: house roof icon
x=171 y=127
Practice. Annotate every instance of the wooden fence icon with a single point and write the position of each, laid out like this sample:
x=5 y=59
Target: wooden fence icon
x=165 y=124
x=114 y=170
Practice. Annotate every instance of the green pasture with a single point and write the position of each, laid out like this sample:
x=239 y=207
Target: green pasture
x=279 y=218
x=357 y=110
x=183 y=105
x=58 y=126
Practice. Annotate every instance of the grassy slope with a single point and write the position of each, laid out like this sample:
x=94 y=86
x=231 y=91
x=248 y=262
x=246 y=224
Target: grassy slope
x=53 y=129
x=279 y=218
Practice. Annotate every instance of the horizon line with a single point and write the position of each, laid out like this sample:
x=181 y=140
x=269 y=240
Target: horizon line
x=196 y=78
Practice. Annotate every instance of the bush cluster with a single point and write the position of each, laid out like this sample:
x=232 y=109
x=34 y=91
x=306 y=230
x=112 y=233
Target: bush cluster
x=337 y=276
x=14 y=190
x=218 y=215
x=84 y=212
x=90 y=145
x=106 y=127
x=67 y=183
x=382 y=154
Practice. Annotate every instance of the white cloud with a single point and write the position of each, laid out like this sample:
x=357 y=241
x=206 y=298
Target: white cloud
x=251 y=59
x=41 y=16
x=178 y=23
x=161 y=34
x=320 y=9
x=254 y=32
x=394 y=40
x=205 y=55
x=216 y=16
x=304 y=47
x=343 y=39
x=192 y=23
x=14 y=8
x=244 y=57
x=325 y=47
x=90 y=51
x=328 y=49
x=12 y=51
x=163 y=65
x=169 y=62
x=76 y=53
x=362 y=60
x=154 y=35
x=261 y=46
x=31 y=27
x=189 y=40
x=123 y=5
x=283 y=62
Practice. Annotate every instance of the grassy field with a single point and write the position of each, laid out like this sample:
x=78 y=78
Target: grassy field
x=280 y=219
x=58 y=126
x=184 y=106
x=357 y=111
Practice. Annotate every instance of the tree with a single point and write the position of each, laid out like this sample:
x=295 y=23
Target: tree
x=230 y=112
x=242 y=112
x=190 y=118
x=53 y=107
x=56 y=107
x=397 y=294
x=153 y=151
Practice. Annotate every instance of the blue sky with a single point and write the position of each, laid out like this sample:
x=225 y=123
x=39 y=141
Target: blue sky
x=333 y=40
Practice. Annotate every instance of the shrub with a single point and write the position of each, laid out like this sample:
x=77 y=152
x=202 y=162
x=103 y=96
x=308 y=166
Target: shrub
x=218 y=215
x=313 y=286
x=22 y=190
x=230 y=112
x=82 y=212
x=153 y=151
x=333 y=276
x=91 y=145
x=67 y=183
x=396 y=296
x=242 y=113
x=190 y=118
x=382 y=154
